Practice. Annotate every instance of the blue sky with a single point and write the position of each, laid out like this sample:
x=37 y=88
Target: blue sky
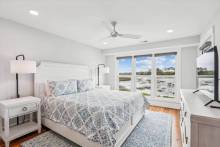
x=166 y=61
x=124 y=65
x=144 y=63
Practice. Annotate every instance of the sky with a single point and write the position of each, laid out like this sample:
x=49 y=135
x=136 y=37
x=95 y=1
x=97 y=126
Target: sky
x=166 y=61
x=143 y=63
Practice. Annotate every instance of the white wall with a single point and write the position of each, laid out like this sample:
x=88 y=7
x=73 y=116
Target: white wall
x=37 y=45
x=110 y=78
x=216 y=23
x=188 y=67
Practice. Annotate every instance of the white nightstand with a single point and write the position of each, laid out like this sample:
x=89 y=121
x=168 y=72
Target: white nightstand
x=12 y=108
x=105 y=87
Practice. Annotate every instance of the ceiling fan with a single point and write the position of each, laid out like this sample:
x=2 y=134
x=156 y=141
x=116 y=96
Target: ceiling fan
x=115 y=34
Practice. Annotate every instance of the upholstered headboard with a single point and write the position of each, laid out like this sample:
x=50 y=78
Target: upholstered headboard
x=58 y=71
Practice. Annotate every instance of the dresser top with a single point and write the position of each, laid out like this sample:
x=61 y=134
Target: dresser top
x=195 y=102
x=19 y=101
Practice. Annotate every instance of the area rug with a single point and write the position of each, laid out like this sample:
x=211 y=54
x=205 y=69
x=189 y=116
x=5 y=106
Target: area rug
x=154 y=130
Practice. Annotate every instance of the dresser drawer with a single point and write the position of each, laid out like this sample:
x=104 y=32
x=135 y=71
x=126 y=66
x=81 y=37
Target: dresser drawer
x=20 y=110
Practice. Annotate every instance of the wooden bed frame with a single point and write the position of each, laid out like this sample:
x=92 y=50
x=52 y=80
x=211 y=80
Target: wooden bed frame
x=59 y=71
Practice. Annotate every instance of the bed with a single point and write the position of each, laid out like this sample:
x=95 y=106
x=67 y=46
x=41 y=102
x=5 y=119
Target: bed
x=107 y=117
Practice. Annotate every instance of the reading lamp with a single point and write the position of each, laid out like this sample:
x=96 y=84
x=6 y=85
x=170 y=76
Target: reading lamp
x=103 y=70
x=21 y=66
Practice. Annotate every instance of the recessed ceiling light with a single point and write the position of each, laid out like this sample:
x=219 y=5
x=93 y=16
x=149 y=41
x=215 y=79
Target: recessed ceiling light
x=33 y=12
x=105 y=43
x=170 y=31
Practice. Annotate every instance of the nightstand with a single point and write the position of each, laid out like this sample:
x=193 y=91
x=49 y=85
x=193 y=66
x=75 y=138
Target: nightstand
x=105 y=87
x=12 y=108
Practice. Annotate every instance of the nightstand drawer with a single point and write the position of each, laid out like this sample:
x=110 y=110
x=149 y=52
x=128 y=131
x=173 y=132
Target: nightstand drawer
x=20 y=110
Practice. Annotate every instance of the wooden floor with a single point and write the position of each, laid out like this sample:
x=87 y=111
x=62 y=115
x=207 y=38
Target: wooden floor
x=176 y=138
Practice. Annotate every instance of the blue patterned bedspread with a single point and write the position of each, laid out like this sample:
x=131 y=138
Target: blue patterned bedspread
x=97 y=114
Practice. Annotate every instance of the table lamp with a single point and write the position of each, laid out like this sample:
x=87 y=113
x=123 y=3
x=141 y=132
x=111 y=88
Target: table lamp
x=21 y=66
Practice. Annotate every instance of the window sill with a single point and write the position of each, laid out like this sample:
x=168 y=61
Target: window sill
x=164 y=102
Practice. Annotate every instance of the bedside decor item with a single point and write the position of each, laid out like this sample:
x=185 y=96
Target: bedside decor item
x=13 y=108
x=103 y=70
x=21 y=67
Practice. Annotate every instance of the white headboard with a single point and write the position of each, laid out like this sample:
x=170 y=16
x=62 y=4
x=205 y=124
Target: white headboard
x=58 y=71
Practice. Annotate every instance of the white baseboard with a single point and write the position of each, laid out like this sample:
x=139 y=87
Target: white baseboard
x=175 y=104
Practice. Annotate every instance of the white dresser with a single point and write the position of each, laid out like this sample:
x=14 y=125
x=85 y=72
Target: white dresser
x=200 y=125
x=12 y=108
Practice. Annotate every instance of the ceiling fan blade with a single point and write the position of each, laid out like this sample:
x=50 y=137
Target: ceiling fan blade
x=130 y=36
x=107 y=26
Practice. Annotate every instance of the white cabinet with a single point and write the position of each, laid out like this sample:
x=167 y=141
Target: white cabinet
x=12 y=108
x=200 y=125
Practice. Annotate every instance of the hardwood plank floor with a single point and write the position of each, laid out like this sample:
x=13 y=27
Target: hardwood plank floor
x=176 y=138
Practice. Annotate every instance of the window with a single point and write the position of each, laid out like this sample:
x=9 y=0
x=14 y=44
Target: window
x=125 y=73
x=143 y=74
x=165 y=75
x=153 y=75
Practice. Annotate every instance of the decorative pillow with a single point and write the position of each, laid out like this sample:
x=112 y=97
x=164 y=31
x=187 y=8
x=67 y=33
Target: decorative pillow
x=58 y=88
x=85 y=85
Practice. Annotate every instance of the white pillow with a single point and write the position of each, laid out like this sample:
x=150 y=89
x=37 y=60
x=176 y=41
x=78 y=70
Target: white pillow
x=58 y=88
x=85 y=85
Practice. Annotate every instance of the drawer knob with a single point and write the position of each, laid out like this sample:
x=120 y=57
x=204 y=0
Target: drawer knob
x=24 y=109
x=185 y=114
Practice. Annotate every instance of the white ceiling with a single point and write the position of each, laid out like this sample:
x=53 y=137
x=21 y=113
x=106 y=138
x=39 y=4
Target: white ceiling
x=81 y=20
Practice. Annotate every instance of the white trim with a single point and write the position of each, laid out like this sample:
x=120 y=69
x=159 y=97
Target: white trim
x=146 y=50
x=175 y=104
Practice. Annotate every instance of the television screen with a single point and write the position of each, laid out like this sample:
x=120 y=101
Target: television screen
x=205 y=73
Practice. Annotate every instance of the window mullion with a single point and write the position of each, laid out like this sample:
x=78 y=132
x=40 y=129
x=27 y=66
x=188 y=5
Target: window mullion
x=133 y=78
x=153 y=78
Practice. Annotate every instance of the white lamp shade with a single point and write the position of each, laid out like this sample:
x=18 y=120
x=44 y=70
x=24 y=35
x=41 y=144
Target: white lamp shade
x=22 y=66
x=105 y=70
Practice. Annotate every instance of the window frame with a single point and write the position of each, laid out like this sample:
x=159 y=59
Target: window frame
x=151 y=76
x=130 y=76
x=153 y=52
x=175 y=75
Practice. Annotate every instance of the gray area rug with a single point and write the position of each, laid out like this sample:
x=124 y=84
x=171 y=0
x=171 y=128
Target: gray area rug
x=154 y=130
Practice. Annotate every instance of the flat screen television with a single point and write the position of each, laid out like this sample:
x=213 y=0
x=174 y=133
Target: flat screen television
x=207 y=74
